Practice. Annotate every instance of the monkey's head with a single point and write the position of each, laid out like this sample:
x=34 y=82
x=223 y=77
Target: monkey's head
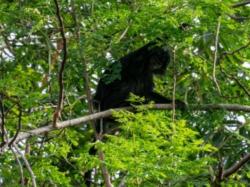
x=158 y=58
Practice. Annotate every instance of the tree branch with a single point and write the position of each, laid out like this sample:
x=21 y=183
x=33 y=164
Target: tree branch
x=228 y=107
x=243 y=3
x=216 y=54
x=174 y=83
x=27 y=164
x=108 y=113
x=225 y=53
x=20 y=166
x=60 y=77
x=233 y=169
x=18 y=128
x=236 y=80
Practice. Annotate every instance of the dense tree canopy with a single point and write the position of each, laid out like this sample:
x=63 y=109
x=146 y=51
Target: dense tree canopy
x=52 y=54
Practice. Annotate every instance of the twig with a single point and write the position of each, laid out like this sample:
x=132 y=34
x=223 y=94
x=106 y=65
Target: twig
x=239 y=18
x=59 y=108
x=104 y=169
x=85 y=72
x=228 y=107
x=236 y=166
x=237 y=122
x=215 y=54
x=108 y=113
x=241 y=86
x=228 y=138
x=2 y=119
x=33 y=177
x=243 y=3
x=174 y=85
x=18 y=128
x=4 y=145
x=225 y=53
x=20 y=166
x=236 y=80
x=123 y=34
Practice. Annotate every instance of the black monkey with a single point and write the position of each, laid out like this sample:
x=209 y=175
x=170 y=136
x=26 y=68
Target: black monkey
x=136 y=76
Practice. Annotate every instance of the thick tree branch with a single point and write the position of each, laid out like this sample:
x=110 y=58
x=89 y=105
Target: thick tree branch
x=233 y=169
x=60 y=76
x=108 y=113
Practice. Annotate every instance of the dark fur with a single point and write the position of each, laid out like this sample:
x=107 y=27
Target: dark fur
x=136 y=76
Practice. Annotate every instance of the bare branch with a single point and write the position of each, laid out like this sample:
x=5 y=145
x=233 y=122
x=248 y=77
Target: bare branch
x=19 y=164
x=123 y=33
x=33 y=178
x=243 y=3
x=108 y=113
x=239 y=18
x=228 y=107
x=215 y=54
x=105 y=172
x=60 y=76
x=174 y=85
x=237 y=122
x=233 y=169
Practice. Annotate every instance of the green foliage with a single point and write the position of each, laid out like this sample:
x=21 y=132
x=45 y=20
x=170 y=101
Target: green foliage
x=134 y=99
x=48 y=174
x=150 y=148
